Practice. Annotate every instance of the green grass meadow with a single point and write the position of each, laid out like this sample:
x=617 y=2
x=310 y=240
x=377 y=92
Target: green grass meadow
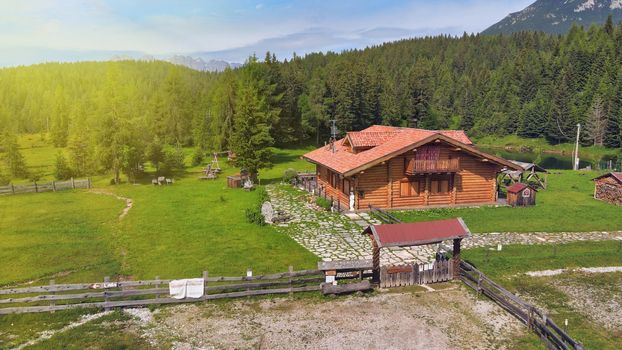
x=171 y=231
x=507 y=267
x=566 y=205
x=181 y=230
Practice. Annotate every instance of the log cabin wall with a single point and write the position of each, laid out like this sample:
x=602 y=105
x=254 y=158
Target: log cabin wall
x=327 y=178
x=477 y=181
x=372 y=187
x=386 y=185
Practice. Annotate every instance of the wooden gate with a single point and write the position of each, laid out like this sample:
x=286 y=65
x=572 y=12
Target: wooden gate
x=413 y=274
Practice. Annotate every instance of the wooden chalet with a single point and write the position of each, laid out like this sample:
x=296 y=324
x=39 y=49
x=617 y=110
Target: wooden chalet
x=390 y=167
x=608 y=188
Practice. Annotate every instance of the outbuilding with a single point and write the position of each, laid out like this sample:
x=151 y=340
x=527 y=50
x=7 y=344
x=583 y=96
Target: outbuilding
x=521 y=195
x=412 y=235
x=608 y=188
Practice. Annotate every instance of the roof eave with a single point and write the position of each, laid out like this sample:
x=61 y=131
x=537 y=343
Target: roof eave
x=438 y=136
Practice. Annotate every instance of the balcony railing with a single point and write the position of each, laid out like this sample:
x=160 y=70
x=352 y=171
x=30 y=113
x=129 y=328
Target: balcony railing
x=416 y=166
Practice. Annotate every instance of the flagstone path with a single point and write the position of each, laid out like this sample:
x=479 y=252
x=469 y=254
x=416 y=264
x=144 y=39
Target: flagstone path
x=333 y=236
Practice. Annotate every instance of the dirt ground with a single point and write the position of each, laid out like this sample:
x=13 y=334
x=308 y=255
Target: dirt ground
x=451 y=319
x=598 y=297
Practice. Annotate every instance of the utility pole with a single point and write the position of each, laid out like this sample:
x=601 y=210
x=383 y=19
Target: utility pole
x=333 y=134
x=575 y=165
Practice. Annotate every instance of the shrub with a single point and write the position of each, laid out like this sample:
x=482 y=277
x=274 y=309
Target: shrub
x=263 y=196
x=173 y=160
x=197 y=157
x=5 y=179
x=289 y=175
x=61 y=168
x=35 y=176
x=254 y=216
x=323 y=203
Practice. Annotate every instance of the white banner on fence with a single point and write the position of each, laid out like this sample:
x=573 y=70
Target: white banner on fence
x=187 y=288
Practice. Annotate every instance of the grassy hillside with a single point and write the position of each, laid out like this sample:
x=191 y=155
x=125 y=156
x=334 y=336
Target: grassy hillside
x=566 y=205
x=171 y=231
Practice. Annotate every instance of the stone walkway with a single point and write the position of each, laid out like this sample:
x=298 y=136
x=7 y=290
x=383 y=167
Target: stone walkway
x=332 y=236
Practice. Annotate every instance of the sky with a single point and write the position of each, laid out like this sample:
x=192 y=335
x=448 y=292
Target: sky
x=32 y=30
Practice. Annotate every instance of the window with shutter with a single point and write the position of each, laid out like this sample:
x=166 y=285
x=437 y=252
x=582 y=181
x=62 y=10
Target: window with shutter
x=411 y=187
x=404 y=188
x=439 y=185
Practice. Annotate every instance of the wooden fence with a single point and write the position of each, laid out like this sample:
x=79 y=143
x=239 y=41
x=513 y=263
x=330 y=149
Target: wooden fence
x=383 y=216
x=108 y=294
x=46 y=186
x=551 y=334
x=413 y=274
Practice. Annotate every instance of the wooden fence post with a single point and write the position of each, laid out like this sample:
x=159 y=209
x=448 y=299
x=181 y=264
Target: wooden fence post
x=36 y=189
x=106 y=297
x=88 y=182
x=12 y=188
x=249 y=273
x=157 y=285
x=73 y=184
x=205 y=275
x=54 y=186
x=291 y=271
x=479 y=284
x=52 y=303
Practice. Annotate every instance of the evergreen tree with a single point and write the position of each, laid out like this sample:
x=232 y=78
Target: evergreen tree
x=251 y=139
x=62 y=171
x=596 y=123
x=155 y=153
x=419 y=80
x=561 y=124
x=13 y=157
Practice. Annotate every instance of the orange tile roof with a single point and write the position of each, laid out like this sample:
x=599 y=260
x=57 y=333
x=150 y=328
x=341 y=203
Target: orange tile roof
x=385 y=141
x=358 y=139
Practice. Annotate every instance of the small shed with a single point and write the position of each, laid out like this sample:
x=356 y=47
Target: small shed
x=608 y=188
x=521 y=195
x=417 y=234
x=234 y=181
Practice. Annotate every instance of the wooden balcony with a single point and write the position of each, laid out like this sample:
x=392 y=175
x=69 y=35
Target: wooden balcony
x=415 y=166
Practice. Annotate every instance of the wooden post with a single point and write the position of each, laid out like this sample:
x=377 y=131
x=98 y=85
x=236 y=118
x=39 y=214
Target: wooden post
x=54 y=186
x=88 y=183
x=12 y=188
x=52 y=303
x=291 y=271
x=454 y=188
x=456 y=258
x=390 y=184
x=375 y=260
x=73 y=184
x=205 y=276
x=157 y=285
x=479 y=284
x=36 y=188
x=106 y=280
x=426 y=193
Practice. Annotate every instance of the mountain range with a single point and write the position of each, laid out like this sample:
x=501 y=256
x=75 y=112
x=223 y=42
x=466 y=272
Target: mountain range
x=557 y=16
x=198 y=63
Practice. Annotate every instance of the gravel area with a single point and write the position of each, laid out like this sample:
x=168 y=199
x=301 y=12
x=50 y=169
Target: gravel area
x=451 y=319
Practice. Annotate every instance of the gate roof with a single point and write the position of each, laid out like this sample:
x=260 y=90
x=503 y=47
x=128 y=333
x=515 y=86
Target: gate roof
x=418 y=233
